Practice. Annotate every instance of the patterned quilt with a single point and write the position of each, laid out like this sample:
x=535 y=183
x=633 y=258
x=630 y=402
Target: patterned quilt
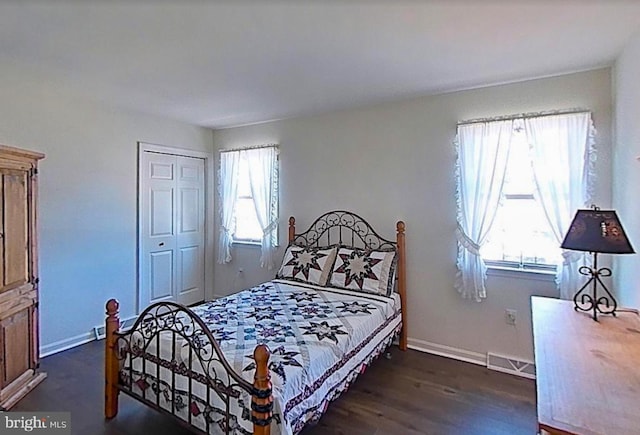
x=320 y=340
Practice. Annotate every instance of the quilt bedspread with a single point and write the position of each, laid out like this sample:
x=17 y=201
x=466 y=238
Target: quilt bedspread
x=320 y=339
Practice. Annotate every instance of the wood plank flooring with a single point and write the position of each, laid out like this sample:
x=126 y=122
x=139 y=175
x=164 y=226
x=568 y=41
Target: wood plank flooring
x=413 y=393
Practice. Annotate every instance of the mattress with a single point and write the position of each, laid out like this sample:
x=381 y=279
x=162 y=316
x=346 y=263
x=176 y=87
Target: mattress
x=320 y=339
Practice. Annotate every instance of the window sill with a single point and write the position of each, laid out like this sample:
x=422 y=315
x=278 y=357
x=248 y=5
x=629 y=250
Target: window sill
x=517 y=273
x=246 y=243
x=250 y=244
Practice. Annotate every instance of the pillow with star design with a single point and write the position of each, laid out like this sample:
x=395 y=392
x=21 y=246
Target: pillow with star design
x=368 y=271
x=308 y=265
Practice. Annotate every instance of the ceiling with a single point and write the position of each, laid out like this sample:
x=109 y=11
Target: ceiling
x=221 y=64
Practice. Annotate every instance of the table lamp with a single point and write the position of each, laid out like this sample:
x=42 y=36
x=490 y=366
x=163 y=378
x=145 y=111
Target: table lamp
x=599 y=232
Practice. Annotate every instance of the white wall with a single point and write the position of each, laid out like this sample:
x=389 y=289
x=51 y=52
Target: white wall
x=395 y=161
x=87 y=219
x=626 y=180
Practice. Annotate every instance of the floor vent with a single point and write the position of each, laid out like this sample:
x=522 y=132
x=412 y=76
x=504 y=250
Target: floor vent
x=505 y=364
x=98 y=331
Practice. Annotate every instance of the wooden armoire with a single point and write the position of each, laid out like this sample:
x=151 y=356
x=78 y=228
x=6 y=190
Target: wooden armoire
x=19 y=352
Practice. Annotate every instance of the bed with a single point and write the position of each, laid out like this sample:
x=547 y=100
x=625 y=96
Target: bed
x=271 y=358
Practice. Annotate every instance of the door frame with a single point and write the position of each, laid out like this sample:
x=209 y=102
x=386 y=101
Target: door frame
x=209 y=215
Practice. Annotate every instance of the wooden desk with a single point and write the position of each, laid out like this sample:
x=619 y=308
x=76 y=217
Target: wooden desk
x=587 y=373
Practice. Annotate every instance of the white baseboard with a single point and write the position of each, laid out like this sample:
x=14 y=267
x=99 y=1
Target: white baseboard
x=467 y=356
x=413 y=343
x=448 y=351
x=71 y=342
x=65 y=344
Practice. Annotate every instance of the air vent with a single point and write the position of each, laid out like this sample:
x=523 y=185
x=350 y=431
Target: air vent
x=514 y=366
x=99 y=331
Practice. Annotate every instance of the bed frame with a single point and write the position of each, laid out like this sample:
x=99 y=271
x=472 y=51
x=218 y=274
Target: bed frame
x=336 y=227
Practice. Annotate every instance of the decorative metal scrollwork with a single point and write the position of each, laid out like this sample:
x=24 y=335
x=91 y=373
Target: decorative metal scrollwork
x=192 y=353
x=583 y=301
x=350 y=229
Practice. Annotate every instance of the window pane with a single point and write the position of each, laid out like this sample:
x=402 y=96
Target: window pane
x=247 y=225
x=521 y=234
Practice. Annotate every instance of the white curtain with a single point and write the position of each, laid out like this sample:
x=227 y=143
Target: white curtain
x=482 y=151
x=263 y=175
x=227 y=191
x=563 y=159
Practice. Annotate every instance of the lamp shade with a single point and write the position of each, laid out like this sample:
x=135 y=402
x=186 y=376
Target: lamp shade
x=596 y=230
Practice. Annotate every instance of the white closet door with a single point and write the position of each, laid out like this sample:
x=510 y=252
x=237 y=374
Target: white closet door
x=190 y=230
x=158 y=222
x=172 y=229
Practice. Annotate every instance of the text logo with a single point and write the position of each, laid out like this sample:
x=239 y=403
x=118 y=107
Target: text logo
x=42 y=423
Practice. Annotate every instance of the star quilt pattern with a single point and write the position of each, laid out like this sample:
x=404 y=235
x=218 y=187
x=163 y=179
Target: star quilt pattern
x=320 y=339
x=368 y=271
x=306 y=264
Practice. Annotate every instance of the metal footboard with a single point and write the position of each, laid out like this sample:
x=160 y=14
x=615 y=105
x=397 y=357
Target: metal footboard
x=170 y=361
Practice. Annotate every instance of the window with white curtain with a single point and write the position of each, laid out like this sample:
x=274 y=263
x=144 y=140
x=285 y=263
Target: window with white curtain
x=248 y=201
x=519 y=181
x=520 y=236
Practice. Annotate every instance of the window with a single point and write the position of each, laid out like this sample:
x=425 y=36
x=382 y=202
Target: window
x=248 y=201
x=520 y=236
x=519 y=182
x=246 y=227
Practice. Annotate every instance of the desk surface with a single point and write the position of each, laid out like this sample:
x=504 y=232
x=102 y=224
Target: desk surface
x=587 y=372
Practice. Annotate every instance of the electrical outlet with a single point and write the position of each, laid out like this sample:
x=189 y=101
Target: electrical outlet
x=510 y=317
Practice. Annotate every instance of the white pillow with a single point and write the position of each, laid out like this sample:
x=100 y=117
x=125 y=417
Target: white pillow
x=369 y=271
x=309 y=265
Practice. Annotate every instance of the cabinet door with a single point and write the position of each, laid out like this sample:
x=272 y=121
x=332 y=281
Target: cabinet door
x=15 y=232
x=15 y=338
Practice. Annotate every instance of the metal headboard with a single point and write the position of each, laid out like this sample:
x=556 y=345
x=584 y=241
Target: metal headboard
x=339 y=227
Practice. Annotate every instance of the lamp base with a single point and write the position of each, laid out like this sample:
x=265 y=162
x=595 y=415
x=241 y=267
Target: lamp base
x=583 y=301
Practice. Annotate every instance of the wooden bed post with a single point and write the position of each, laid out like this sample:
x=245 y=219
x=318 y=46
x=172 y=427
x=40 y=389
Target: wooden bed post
x=402 y=282
x=111 y=364
x=292 y=228
x=262 y=397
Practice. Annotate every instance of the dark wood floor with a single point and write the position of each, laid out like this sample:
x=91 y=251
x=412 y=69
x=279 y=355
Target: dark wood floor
x=410 y=394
